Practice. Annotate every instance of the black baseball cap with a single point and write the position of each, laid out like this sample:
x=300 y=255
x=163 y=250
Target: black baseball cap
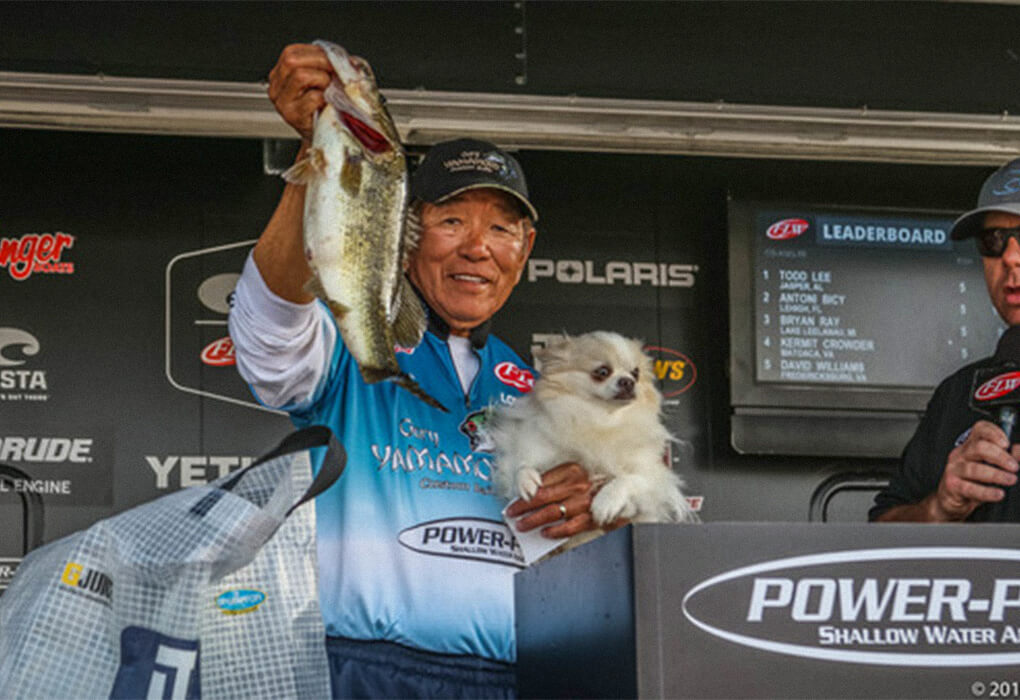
x=452 y=167
x=1001 y=192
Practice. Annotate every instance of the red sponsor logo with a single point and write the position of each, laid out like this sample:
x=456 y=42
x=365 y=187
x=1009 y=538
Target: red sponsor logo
x=512 y=375
x=403 y=349
x=36 y=252
x=787 y=228
x=219 y=353
x=997 y=386
x=674 y=370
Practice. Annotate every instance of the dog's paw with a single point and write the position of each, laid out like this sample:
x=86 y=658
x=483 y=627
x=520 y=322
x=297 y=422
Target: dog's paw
x=676 y=509
x=612 y=502
x=528 y=482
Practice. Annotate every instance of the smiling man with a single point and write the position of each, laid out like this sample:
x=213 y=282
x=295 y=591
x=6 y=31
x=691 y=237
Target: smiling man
x=415 y=561
x=958 y=464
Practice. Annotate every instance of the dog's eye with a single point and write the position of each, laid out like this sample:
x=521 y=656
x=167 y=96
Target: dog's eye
x=600 y=373
x=636 y=372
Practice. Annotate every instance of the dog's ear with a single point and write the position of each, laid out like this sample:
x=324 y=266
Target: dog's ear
x=553 y=355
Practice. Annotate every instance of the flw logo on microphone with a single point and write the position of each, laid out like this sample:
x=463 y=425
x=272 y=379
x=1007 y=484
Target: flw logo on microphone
x=997 y=387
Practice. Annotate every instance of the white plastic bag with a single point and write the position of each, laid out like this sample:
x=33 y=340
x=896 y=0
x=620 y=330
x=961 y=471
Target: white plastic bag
x=212 y=590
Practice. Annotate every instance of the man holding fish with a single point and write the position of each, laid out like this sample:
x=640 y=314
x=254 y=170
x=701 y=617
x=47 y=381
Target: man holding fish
x=415 y=562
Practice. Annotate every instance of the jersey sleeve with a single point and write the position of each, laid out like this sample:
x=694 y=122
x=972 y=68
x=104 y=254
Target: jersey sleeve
x=283 y=349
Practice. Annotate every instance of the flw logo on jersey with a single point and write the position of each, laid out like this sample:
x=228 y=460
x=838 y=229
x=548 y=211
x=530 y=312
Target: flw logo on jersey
x=512 y=375
x=36 y=253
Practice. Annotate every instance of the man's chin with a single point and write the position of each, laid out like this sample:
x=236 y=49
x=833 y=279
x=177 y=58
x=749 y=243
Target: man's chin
x=463 y=322
x=1010 y=315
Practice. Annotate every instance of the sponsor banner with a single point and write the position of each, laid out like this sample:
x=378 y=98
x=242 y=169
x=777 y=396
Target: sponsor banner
x=23 y=373
x=897 y=606
x=465 y=538
x=64 y=466
x=180 y=471
x=25 y=255
x=675 y=372
x=620 y=273
x=199 y=353
x=802 y=610
x=219 y=353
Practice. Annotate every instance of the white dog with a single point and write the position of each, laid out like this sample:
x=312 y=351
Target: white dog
x=595 y=404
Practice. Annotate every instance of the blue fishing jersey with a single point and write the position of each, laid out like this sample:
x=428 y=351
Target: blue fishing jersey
x=412 y=547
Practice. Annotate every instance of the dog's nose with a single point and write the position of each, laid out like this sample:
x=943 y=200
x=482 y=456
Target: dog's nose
x=624 y=388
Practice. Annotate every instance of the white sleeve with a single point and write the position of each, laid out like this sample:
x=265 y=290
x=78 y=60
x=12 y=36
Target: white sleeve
x=283 y=349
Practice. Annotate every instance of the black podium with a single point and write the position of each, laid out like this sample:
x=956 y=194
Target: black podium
x=775 y=610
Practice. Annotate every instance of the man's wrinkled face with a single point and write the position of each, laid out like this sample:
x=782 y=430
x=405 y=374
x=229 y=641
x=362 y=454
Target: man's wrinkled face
x=1002 y=274
x=471 y=255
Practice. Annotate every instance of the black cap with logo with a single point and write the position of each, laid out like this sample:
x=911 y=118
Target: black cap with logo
x=452 y=167
x=1001 y=192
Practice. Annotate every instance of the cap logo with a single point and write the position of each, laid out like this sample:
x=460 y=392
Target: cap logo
x=1010 y=186
x=480 y=162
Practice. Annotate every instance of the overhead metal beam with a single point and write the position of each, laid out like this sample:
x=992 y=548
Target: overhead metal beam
x=241 y=110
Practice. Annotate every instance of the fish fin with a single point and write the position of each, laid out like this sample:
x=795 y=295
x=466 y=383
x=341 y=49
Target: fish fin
x=350 y=173
x=412 y=386
x=314 y=287
x=411 y=235
x=371 y=375
x=409 y=325
x=307 y=169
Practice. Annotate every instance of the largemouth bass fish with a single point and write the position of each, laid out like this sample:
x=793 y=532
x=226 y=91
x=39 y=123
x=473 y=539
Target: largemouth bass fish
x=356 y=229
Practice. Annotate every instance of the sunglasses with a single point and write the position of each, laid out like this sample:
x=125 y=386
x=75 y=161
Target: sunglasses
x=992 y=242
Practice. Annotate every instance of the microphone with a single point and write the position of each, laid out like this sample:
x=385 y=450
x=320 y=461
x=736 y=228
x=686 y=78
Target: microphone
x=996 y=389
x=996 y=392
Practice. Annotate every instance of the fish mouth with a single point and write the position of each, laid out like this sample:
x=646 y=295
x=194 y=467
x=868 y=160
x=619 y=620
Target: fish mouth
x=368 y=137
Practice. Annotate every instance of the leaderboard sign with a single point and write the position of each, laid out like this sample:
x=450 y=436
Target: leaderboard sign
x=865 y=298
x=842 y=322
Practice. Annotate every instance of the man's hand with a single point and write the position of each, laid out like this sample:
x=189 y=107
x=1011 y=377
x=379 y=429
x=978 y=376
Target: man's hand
x=566 y=485
x=296 y=85
x=973 y=472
